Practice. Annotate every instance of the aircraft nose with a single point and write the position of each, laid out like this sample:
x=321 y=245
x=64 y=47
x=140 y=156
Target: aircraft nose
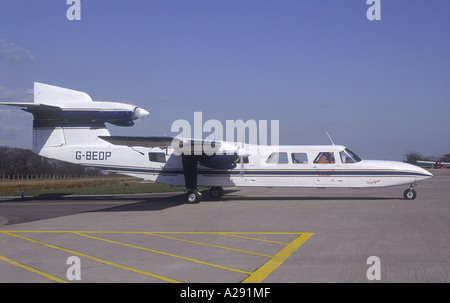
x=140 y=112
x=430 y=175
x=419 y=170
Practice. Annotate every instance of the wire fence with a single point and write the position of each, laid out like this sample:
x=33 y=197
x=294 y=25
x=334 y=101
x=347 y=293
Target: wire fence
x=25 y=177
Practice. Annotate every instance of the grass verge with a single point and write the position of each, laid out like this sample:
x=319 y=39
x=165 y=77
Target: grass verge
x=84 y=187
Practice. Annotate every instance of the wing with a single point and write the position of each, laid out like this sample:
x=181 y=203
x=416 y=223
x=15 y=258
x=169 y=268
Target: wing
x=181 y=145
x=192 y=151
x=139 y=141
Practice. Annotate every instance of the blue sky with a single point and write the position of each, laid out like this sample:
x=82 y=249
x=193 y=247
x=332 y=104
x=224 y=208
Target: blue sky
x=381 y=88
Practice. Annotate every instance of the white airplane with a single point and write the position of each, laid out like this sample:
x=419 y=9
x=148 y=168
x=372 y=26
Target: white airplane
x=69 y=126
x=435 y=164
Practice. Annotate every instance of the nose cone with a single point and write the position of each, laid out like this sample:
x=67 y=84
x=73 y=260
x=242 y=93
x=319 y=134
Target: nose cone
x=424 y=171
x=419 y=171
x=139 y=113
x=399 y=168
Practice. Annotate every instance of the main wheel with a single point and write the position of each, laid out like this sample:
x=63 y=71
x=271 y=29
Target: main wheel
x=410 y=194
x=193 y=197
x=216 y=192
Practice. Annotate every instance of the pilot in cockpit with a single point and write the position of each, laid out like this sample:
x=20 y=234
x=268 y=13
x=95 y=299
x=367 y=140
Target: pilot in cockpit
x=326 y=158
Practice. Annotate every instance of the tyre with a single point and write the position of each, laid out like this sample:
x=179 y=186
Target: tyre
x=410 y=194
x=193 y=197
x=216 y=192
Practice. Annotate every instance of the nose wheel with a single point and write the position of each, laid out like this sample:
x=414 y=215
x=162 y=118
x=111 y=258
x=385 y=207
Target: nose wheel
x=410 y=194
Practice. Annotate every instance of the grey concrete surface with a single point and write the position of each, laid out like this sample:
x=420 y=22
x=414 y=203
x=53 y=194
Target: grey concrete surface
x=159 y=238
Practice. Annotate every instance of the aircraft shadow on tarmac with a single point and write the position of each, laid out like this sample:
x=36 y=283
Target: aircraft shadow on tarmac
x=48 y=206
x=310 y=198
x=155 y=203
x=160 y=203
x=151 y=202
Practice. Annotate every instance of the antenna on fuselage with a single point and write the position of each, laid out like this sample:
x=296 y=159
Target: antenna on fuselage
x=329 y=137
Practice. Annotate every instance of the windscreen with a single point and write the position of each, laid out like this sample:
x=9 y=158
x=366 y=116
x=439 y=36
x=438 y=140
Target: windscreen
x=347 y=156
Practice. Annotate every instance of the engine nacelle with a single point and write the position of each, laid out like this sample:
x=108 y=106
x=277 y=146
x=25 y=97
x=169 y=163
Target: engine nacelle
x=218 y=161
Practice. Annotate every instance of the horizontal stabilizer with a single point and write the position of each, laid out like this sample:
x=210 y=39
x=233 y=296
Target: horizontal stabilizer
x=32 y=106
x=66 y=117
x=61 y=107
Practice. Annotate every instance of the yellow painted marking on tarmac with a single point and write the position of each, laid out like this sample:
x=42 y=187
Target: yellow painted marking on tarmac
x=33 y=270
x=93 y=258
x=249 y=238
x=211 y=245
x=164 y=253
x=261 y=273
x=254 y=277
x=257 y=233
x=156 y=232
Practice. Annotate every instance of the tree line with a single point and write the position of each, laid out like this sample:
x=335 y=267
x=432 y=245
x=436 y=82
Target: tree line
x=16 y=161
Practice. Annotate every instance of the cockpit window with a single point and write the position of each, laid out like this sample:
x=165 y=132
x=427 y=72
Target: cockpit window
x=347 y=156
x=325 y=158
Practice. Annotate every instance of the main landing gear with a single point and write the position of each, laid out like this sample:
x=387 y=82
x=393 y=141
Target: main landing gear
x=194 y=196
x=216 y=192
x=410 y=193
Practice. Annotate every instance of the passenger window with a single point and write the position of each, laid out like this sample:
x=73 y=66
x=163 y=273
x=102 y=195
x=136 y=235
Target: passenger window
x=325 y=158
x=157 y=157
x=277 y=158
x=299 y=158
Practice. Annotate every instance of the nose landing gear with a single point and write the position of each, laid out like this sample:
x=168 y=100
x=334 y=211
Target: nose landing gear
x=410 y=193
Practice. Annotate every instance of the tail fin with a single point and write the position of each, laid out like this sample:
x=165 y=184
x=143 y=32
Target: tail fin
x=65 y=117
x=58 y=96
